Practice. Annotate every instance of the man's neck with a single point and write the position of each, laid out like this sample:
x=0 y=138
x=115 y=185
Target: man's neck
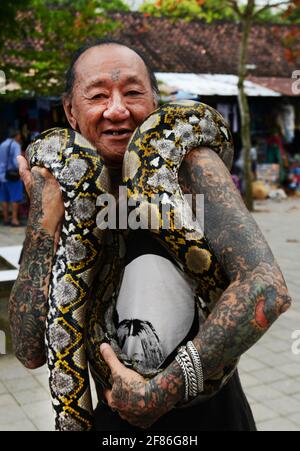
x=115 y=175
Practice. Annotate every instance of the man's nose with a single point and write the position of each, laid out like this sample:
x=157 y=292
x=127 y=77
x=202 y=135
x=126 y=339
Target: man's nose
x=116 y=109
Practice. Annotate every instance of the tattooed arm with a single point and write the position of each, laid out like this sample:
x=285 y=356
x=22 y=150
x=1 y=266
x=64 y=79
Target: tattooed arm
x=255 y=298
x=28 y=300
x=257 y=294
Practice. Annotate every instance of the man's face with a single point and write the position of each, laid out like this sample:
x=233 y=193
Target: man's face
x=112 y=95
x=18 y=138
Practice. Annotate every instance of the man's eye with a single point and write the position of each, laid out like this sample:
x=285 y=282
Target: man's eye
x=133 y=93
x=99 y=96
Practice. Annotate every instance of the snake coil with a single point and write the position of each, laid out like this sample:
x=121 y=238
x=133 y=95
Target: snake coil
x=89 y=262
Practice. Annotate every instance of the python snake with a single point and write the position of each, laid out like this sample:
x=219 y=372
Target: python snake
x=89 y=262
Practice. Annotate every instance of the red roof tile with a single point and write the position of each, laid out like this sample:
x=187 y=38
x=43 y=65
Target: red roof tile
x=204 y=48
x=196 y=47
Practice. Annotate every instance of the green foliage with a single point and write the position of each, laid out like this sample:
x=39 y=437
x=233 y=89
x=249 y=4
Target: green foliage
x=279 y=16
x=217 y=10
x=8 y=25
x=172 y=8
x=48 y=32
x=207 y=10
x=292 y=15
x=210 y=10
x=271 y=17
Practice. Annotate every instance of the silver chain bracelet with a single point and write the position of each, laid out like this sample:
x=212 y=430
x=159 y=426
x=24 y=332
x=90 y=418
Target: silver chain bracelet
x=194 y=354
x=192 y=377
x=190 y=363
x=185 y=374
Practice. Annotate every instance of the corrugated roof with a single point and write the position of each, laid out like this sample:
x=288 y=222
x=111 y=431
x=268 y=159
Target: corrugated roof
x=212 y=85
x=284 y=86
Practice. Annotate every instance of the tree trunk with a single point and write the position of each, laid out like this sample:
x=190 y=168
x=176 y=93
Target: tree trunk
x=243 y=103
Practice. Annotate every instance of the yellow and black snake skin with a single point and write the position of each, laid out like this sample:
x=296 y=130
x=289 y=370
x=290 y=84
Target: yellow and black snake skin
x=88 y=265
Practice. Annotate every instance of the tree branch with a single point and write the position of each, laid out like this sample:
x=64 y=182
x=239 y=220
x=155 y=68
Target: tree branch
x=234 y=5
x=269 y=6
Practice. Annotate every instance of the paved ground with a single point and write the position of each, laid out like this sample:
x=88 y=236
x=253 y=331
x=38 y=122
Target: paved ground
x=270 y=371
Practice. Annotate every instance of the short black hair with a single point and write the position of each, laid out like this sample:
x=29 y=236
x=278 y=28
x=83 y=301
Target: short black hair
x=70 y=74
x=13 y=132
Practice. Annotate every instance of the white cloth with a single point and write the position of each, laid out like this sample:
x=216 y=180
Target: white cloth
x=156 y=309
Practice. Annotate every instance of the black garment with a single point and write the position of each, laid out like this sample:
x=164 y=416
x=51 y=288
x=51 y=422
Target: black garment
x=228 y=410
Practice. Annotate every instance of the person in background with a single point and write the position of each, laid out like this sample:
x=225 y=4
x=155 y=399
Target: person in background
x=11 y=192
x=239 y=178
x=253 y=157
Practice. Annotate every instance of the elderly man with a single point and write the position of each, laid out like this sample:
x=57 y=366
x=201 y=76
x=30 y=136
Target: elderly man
x=110 y=91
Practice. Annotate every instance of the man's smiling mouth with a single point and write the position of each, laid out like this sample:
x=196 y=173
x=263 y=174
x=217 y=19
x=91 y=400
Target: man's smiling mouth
x=120 y=132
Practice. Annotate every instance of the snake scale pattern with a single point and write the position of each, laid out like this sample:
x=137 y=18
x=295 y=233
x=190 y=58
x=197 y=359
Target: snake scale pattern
x=89 y=262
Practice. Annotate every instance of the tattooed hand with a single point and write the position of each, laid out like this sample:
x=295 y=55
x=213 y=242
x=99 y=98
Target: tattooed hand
x=51 y=203
x=25 y=173
x=138 y=401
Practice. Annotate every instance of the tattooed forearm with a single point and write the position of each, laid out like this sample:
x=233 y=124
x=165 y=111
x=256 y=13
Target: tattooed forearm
x=243 y=314
x=28 y=300
x=257 y=294
x=167 y=388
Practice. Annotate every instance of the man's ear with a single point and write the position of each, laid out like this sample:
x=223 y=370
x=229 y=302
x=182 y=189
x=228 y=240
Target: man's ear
x=67 y=104
x=155 y=101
